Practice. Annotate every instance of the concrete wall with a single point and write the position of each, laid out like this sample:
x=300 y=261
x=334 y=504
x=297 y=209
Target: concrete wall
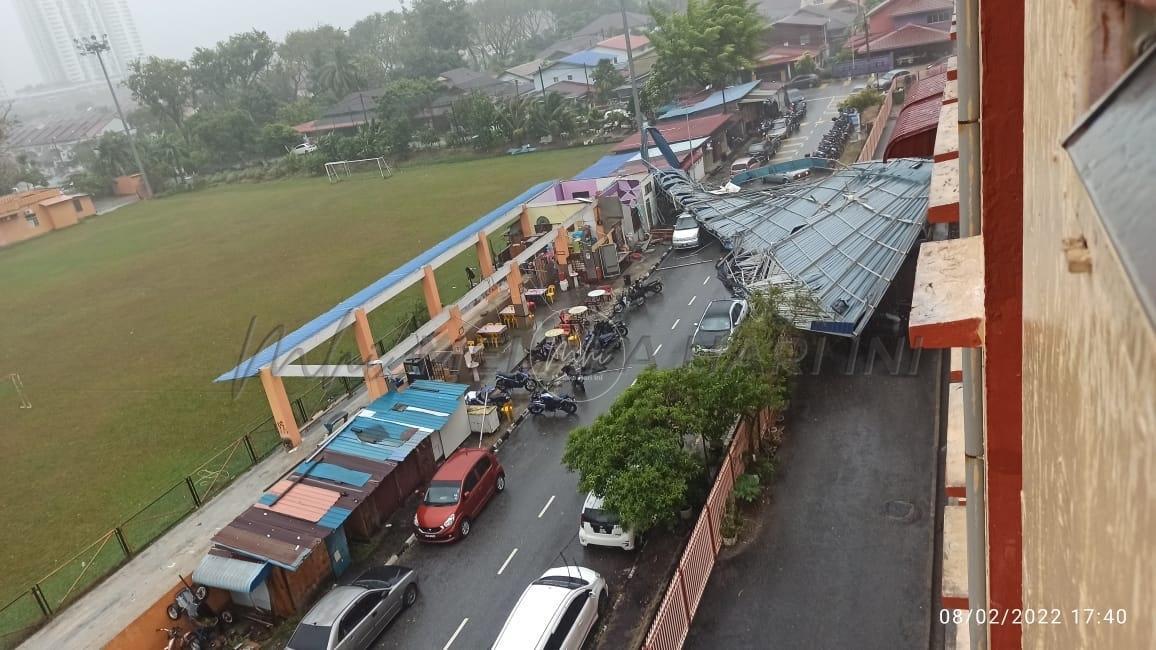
x=1089 y=368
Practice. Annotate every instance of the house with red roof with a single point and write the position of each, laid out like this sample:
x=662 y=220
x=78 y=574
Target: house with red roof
x=911 y=30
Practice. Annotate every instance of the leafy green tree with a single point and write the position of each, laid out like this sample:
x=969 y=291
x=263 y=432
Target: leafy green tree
x=275 y=138
x=437 y=32
x=639 y=465
x=226 y=135
x=708 y=44
x=379 y=37
x=304 y=49
x=399 y=103
x=224 y=72
x=297 y=112
x=606 y=78
x=806 y=65
x=476 y=116
x=165 y=87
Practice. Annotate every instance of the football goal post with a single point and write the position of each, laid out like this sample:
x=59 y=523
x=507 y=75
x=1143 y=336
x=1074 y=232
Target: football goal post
x=339 y=170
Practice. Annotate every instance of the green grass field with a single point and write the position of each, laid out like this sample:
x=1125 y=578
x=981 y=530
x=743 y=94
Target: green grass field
x=117 y=328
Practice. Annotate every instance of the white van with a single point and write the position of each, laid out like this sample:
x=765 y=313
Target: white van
x=601 y=527
x=685 y=232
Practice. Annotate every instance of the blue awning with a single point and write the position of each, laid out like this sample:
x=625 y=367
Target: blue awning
x=230 y=574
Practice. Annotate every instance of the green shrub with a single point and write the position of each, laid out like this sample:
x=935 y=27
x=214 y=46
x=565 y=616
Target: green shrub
x=747 y=488
x=863 y=99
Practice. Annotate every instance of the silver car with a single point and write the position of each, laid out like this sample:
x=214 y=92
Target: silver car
x=713 y=332
x=352 y=617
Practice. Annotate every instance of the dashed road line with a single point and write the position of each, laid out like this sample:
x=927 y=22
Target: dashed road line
x=456 y=633
x=548 y=502
x=507 y=562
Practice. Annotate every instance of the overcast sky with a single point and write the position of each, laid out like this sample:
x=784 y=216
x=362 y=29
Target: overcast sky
x=172 y=28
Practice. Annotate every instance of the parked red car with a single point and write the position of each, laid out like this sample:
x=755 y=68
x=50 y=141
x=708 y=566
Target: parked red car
x=462 y=486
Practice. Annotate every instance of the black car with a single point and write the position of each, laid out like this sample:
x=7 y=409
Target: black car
x=721 y=317
x=804 y=81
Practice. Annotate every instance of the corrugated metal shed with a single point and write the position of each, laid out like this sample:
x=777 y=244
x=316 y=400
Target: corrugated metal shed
x=605 y=166
x=711 y=101
x=252 y=366
x=230 y=574
x=839 y=240
x=266 y=535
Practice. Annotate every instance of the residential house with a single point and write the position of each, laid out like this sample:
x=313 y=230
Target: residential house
x=751 y=102
x=911 y=30
x=458 y=83
x=773 y=10
x=841 y=17
x=777 y=63
x=800 y=29
x=615 y=47
x=576 y=67
x=702 y=138
x=346 y=116
x=51 y=145
x=611 y=24
x=523 y=73
x=25 y=215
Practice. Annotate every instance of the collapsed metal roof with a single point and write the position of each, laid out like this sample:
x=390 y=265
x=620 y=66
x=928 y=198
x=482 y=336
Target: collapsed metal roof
x=837 y=241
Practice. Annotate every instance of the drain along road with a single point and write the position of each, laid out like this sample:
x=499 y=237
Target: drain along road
x=468 y=588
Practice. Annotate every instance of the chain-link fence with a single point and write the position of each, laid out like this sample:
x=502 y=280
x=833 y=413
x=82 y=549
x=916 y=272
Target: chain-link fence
x=68 y=581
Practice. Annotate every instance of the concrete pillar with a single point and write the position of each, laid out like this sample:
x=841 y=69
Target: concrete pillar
x=279 y=405
x=524 y=221
x=485 y=257
x=375 y=383
x=561 y=246
x=515 y=282
x=454 y=328
x=429 y=287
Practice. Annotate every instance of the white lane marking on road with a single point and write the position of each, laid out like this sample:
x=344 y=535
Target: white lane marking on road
x=456 y=633
x=676 y=322
x=507 y=562
x=692 y=301
x=655 y=354
x=548 y=502
x=706 y=280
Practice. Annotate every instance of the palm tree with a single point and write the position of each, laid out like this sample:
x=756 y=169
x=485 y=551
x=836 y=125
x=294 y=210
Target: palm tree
x=554 y=115
x=340 y=74
x=514 y=119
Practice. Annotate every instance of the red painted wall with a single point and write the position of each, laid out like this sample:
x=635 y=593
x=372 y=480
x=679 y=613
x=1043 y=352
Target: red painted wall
x=1001 y=128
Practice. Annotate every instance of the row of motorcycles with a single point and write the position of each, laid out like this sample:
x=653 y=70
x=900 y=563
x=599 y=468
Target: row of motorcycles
x=835 y=140
x=600 y=340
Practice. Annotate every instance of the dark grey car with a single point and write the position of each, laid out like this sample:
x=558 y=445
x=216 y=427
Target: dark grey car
x=720 y=319
x=352 y=617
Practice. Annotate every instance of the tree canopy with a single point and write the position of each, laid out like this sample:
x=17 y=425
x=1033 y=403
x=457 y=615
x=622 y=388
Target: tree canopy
x=708 y=44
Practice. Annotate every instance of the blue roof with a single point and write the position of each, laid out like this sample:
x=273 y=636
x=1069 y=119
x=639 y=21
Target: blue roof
x=394 y=424
x=714 y=100
x=333 y=473
x=252 y=366
x=587 y=58
x=605 y=166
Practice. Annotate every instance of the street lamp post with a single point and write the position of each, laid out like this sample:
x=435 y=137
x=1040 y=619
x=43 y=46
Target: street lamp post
x=93 y=46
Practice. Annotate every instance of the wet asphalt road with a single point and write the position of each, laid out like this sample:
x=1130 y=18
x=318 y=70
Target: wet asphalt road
x=468 y=588
x=822 y=105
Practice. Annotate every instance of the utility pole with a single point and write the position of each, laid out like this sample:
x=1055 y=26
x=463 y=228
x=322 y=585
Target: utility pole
x=866 y=30
x=93 y=46
x=634 y=83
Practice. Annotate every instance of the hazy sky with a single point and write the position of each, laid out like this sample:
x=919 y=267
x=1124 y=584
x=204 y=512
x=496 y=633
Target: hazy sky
x=172 y=28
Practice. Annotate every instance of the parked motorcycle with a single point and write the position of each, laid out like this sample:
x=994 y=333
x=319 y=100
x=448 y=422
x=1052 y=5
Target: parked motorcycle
x=488 y=395
x=645 y=288
x=611 y=325
x=629 y=299
x=577 y=382
x=517 y=379
x=543 y=350
x=542 y=401
x=605 y=342
x=201 y=638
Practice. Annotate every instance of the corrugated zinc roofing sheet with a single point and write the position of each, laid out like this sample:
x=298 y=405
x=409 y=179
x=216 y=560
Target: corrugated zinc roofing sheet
x=252 y=366
x=604 y=166
x=299 y=501
x=331 y=472
x=714 y=100
x=230 y=574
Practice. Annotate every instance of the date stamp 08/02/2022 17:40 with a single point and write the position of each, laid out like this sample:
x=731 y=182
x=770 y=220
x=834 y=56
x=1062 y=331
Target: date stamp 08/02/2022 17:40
x=1035 y=616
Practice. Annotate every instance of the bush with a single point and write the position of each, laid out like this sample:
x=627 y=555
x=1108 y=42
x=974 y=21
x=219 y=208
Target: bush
x=863 y=99
x=747 y=488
